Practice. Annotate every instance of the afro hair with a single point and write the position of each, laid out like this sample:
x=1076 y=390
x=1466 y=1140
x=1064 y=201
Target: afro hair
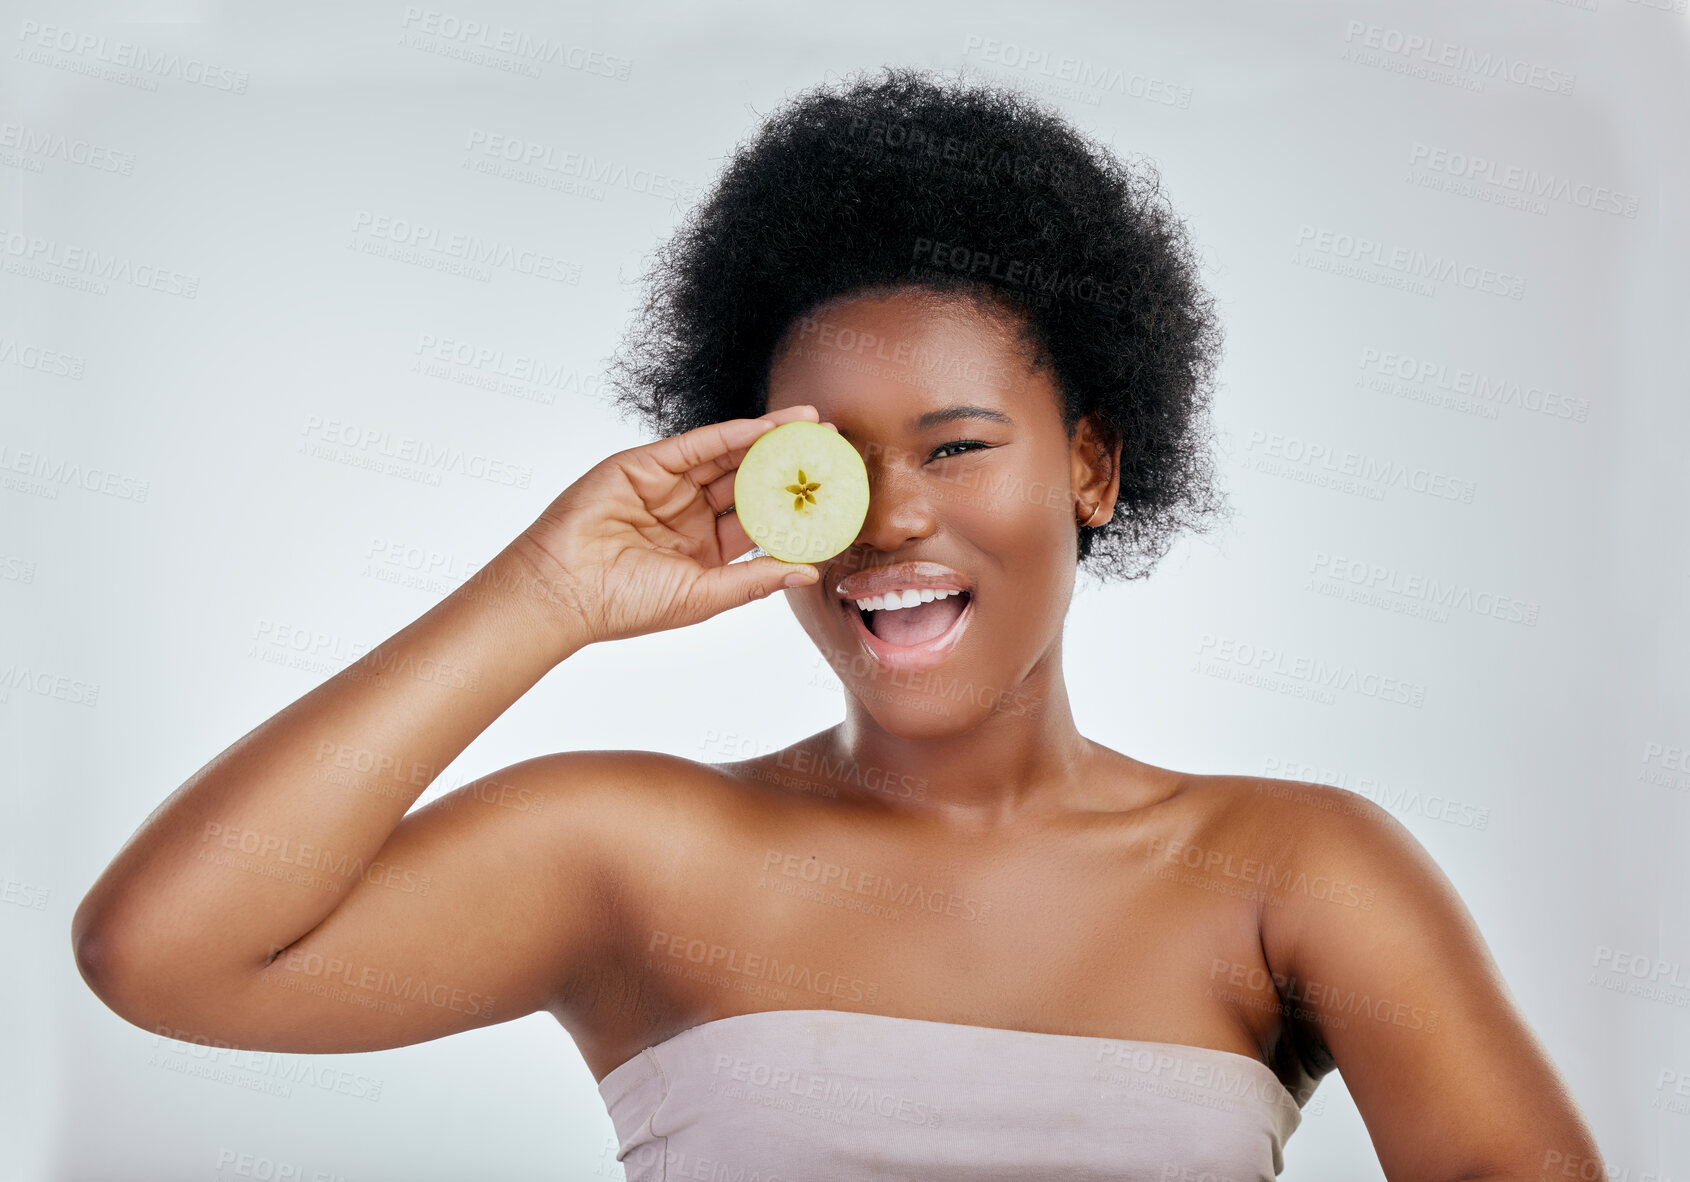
x=916 y=180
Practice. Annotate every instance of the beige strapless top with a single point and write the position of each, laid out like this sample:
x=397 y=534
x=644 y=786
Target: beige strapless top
x=837 y=1096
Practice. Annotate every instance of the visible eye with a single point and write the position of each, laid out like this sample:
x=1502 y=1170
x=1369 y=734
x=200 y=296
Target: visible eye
x=970 y=443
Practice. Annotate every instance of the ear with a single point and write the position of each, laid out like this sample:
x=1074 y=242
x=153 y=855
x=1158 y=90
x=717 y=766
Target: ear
x=1095 y=467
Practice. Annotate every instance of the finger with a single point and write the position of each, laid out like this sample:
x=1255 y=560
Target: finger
x=728 y=586
x=704 y=453
x=731 y=538
x=719 y=493
x=728 y=464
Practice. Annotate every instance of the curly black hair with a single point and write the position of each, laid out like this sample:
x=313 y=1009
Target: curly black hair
x=912 y=179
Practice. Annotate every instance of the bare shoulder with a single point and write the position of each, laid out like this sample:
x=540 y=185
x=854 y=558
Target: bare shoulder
x=1314 y=857
x=1342 y=877
x=1290 y=821
x=619 y=793
x=1344 y=864
x=1331 y=874
x=1321 y=828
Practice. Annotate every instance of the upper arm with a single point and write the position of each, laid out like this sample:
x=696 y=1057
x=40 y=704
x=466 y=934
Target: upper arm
x=1394 y=975
x=478 y=909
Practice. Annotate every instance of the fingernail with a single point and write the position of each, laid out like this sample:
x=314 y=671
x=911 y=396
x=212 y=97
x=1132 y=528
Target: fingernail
x=798 y=579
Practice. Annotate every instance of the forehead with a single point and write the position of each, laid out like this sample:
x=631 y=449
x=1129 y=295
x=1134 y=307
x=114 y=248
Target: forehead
x=899 y=358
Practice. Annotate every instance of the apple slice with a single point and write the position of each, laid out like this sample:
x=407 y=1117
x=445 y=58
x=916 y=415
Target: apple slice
x=801 y=492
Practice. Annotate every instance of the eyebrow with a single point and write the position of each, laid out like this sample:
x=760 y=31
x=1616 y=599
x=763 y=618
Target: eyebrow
x=948 y=414
x=934 y=418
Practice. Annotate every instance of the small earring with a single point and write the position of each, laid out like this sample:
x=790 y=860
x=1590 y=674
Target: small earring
x=1091 y=514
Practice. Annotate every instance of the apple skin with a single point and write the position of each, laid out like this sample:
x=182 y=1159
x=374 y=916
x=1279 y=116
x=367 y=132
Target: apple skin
x=801 y=492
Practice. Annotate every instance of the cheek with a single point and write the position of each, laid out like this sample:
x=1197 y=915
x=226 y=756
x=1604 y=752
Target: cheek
x=1023 y=513
x=1028 y=526
x=994 y=486
x=1018 y=513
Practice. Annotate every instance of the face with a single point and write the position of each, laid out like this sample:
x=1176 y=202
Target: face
x=973 y=485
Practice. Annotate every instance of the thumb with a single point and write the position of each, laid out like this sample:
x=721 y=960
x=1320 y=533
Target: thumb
x=741 y=582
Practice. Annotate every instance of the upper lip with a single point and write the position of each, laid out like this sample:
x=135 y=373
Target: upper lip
x=902 y=576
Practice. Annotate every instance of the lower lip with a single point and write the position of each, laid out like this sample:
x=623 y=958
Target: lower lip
x=910 y=658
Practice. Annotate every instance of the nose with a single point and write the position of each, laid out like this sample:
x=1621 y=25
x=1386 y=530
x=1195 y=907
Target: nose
x=899 y=507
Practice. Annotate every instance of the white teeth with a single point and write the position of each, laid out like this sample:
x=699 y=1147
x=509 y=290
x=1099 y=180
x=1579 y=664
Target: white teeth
x=894 y=600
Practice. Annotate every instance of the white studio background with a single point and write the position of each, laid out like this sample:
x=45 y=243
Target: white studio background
x=1448 y=243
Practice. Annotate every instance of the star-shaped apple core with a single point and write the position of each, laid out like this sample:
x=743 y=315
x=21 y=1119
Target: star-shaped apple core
x=804 y=491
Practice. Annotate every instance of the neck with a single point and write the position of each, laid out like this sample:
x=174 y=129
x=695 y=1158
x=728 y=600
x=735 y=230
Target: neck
x=1024 y=755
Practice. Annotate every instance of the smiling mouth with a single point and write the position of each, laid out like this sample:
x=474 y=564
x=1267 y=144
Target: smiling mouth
x=907 y=627
x=924 y=639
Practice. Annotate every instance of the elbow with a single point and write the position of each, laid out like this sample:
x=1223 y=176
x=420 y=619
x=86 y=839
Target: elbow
x=97 y=959
x=109 y=970
x=91 y=946
x=158 y=985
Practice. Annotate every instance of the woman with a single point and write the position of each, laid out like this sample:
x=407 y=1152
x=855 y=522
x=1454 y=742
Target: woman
x=949 y=937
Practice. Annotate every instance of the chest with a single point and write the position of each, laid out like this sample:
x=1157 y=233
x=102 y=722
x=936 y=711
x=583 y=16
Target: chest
x=1086 y=929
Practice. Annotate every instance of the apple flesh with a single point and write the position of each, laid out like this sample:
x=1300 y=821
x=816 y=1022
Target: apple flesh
x=801 y=492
